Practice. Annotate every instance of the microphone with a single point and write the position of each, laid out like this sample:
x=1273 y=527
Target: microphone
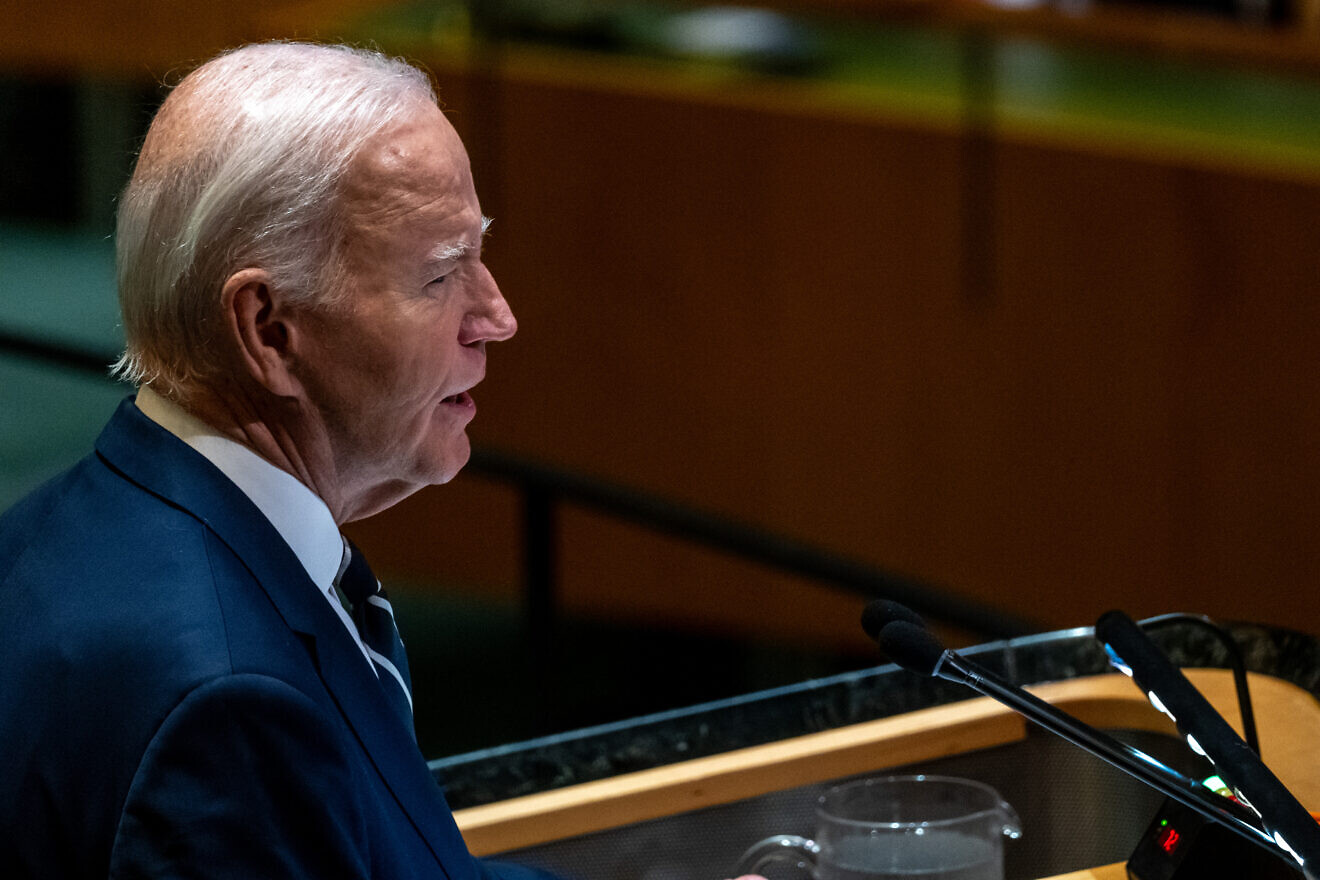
x=915 y=648
x=1208 y=734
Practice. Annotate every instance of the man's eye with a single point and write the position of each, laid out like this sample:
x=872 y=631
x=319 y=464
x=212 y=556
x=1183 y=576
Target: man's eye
x=440 y=279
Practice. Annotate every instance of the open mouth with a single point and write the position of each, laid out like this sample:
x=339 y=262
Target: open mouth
x=462 y=398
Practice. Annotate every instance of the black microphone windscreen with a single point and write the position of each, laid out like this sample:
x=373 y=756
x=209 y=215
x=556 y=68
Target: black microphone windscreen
x=913 y=647
x=881 y=612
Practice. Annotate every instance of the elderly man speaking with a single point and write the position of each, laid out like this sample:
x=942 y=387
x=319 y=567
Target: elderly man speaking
x=198 y=677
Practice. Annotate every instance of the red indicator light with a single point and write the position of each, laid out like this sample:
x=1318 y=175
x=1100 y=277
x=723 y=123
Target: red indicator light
x=1168 y=839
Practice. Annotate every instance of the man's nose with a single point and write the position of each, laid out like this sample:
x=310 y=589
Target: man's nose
x=490 y=319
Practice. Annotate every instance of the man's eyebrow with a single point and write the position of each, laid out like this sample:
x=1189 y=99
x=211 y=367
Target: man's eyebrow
x=453 y=250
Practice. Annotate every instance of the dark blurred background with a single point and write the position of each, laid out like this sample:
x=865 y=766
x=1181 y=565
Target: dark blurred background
x=1006 y=309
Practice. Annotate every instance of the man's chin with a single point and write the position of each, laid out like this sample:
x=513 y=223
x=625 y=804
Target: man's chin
x=453 y=459
x=430 y=467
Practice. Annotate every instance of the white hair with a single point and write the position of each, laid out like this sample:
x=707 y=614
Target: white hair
x=242 y=168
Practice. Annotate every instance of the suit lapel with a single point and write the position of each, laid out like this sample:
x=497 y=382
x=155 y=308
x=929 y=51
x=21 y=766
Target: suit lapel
x=164 y=465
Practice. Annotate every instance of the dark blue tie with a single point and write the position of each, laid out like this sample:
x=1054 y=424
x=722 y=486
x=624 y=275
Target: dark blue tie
x=371 y=611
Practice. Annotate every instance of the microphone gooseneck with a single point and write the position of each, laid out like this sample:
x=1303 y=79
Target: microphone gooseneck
x=915 y=648
x=1208 y=734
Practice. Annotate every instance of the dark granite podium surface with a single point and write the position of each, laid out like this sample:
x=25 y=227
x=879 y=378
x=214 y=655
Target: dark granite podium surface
x=603 y=751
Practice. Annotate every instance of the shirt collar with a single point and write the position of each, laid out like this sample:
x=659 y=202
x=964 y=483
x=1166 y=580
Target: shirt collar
x=296 y=512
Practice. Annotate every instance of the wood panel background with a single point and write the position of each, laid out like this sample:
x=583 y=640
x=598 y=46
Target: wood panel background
x=754 y=304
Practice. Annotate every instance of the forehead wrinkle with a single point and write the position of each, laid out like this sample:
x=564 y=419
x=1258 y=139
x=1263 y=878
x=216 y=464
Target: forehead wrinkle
x=416 y=165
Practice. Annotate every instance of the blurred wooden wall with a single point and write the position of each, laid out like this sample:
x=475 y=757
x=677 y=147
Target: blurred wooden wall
x=757 y=305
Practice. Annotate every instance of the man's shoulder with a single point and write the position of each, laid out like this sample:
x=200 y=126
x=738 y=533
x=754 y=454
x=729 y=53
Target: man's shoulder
x=136 y=508
x=110 y=564
x=26 y=517
x=91 y=496
x=114 y=589
x=87 y=516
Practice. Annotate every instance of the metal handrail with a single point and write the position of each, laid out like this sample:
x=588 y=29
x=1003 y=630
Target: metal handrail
x=55 y=353
x=749 y=542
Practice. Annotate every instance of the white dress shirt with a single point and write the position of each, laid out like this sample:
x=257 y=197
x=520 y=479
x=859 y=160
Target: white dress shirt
x=296 y=512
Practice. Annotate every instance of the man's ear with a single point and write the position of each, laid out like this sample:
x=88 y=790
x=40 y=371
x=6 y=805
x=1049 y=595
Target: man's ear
x=261 y=331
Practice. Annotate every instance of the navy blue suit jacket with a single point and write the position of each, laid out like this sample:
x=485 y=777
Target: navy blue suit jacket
x=177 y=700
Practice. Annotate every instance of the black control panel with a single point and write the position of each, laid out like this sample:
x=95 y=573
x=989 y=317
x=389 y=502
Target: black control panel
x=1181 y=845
